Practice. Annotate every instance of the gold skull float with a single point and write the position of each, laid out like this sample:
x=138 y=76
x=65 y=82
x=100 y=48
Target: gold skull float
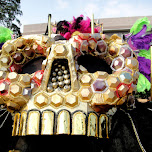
x=63 y=97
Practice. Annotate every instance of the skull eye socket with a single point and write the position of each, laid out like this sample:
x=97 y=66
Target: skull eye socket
x=33 y=65
x=94 y=63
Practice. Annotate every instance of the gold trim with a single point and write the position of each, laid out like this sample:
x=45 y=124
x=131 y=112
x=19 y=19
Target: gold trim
x=78 y=124
x=47 y=123
x=33 y=123
x=63 y=122
x=92 y=125
x=22 y=130
x=100 y=128
x=15 y=131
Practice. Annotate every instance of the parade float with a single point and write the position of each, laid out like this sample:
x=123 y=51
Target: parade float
x=63 y=96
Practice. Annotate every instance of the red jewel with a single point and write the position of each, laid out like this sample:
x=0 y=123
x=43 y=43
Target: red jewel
x=15 y=68
x=40 y=49
x=5 y=84
x=126 y=89
x=38 y=76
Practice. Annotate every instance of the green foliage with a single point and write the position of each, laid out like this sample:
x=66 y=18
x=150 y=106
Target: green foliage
x=9 y=10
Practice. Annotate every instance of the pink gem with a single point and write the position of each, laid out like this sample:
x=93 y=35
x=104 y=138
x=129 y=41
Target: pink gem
x=99 y=85
x=40 y=49
x=101 y=47
x=125 y=51
x=117 y=63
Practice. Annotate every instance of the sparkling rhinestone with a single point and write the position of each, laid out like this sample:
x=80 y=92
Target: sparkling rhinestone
x=101 y=47
x=99 y=85
x=117 y=63
x=27 y=92
x=125 y=51
x=18 y=57
x=5 y=61
x=29 y=52
x=125 y=77
x=113 y=50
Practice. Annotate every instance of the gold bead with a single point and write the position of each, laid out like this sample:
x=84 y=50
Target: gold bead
x=66 y=76
x=67 y=82
x=56 y=70
x=49 y=88
x=54 y=79
x=65 y=71
x=63 y=67
x=55 y=85
x=60 y=73
x=67 y=88
x=60 y=78
x=61 y=84
x=54 y=74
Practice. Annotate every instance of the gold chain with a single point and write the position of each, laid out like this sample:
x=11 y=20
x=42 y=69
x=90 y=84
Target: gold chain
x=135 y=131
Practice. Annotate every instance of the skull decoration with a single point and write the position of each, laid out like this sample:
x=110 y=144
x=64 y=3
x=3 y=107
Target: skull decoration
x=63 y=97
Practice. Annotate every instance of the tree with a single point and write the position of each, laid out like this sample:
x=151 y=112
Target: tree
x=9 y=9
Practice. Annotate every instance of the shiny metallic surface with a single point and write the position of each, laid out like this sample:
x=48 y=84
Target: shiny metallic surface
x=86 y=94
x=22 y=130
x=16 y=125
x=56 y=100
x=33 y=123
x=78 y=124
x=71 y=100
x=41 y=100
x=63 y=122
x=47 y=123
x=113 y=81
x=86 y=80
x=92 y=125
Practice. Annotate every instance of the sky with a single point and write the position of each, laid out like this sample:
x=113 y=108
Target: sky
x=36 y=11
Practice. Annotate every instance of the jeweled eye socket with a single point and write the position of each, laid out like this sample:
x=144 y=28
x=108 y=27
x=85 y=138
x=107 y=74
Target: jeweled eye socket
x=93 y=64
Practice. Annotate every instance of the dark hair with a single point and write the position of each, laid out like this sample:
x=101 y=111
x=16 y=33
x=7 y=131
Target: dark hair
x=62 y=26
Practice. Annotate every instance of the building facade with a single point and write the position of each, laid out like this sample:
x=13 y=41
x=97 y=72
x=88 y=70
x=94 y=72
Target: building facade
x=118 y=26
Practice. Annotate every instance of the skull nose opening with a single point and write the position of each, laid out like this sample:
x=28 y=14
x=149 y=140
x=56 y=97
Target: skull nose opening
x=94 y=63
x=60 y=76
